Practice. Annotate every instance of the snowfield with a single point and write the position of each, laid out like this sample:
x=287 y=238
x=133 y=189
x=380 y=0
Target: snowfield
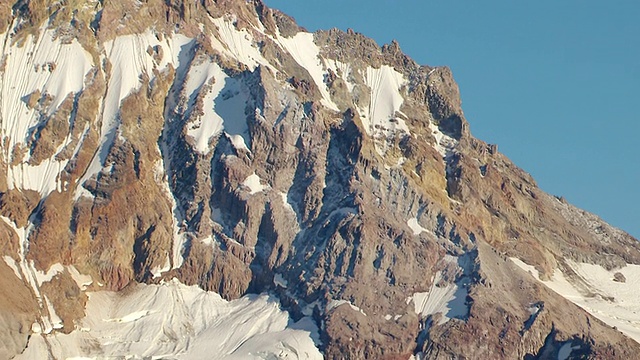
x=175 y=321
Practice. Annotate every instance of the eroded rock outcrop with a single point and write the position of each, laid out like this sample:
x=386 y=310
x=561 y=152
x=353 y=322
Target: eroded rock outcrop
x=218 y=143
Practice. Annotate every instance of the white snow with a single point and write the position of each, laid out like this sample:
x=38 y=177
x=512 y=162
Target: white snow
x=179 y=237
x=341 y=69
x=307 y=54
x=237 y=44
x=238 y=142
x=83 y=281
x=278 y=280
x=440 y=300
x=534 y=309
x=129 y=60
x=136 y=315
x=53 y=68
x=13 y=265
x=285 y=202
x=44 y=277
x=379 y=119
x=253 y=183
x=385 y=84
x=566 y=350
x=210 y=124
x=26 y=271
x=42 y=178
x=157 y=271
x=445 y=144
x=593 y=289
x=172 y=320
x=241 y=45
x=446 y=298
x=415 y=226
x=335 y=303
x=230 y=105
x=209 y=240
x=54 y=321
x=528 y=268
x=223 y=107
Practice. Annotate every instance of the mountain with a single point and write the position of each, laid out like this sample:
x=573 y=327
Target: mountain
x=206 y=179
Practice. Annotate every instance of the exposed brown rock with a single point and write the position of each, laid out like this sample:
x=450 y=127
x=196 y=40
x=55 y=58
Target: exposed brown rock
x=66 y=298
x=49 y=244
x=53 y=132
x=619 y=277
x=9 y=241
x=17 y=154
x=18 y=205
x=18 y=310
x=333 y=216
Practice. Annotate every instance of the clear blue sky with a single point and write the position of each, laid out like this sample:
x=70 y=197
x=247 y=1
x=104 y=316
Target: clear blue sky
x=556 y=84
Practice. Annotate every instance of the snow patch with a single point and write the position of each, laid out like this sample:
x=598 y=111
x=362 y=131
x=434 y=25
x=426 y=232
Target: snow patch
x=385 y=84
x=278 y=280
x=237 y=44
x=253 y=183
x=179 y=237
x=136 y=315
x=528 y=268
x=593 y=289
x=83 y=281
x=223 y=107
x=445 y=144
x=440 y=299
x=13 y=265
x=566 y=350
x=22 y=235
x=209 y=124
x=447 y=298
x=158 y=270
x=335 y=303
x=379 y=119
x=42 y=178
x=343 y=70
x=44 y=277
x=285 y=202
x=307 y=54
x=54 y=322
x=415 y=226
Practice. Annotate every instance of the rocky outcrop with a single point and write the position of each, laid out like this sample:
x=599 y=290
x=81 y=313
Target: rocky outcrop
x=18 y=311
x=218 y=143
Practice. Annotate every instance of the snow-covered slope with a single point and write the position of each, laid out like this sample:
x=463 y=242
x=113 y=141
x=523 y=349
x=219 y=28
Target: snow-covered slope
x=50 y=70
x=175 y=321
x=595 y=289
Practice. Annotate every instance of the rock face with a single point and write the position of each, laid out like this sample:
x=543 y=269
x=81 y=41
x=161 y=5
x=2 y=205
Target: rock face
x=218 y=143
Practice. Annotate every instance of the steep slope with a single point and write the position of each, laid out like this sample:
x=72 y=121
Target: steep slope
x=216 y=143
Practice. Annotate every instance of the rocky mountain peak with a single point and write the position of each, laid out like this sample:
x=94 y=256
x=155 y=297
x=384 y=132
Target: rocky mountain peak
x=208 y=164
